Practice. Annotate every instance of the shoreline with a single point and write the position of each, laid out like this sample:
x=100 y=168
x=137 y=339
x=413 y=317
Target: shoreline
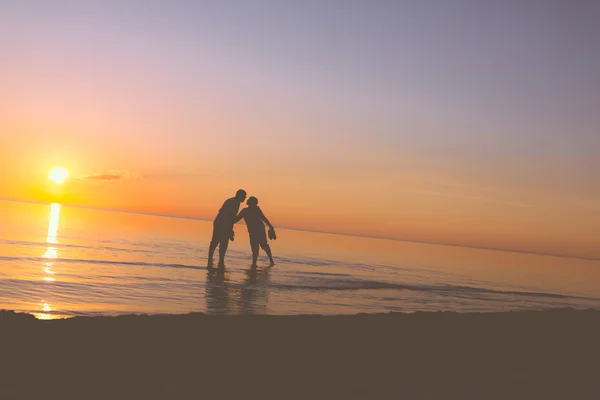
x=519 y=354
x=10 y=316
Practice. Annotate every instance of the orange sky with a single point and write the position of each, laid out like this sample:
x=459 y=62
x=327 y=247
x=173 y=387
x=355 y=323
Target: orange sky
x=411 y=205
x=375 y=125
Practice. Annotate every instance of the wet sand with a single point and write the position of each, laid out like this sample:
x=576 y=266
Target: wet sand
x=553 y=354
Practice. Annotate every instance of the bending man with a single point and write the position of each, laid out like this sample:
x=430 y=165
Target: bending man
x=223 y=227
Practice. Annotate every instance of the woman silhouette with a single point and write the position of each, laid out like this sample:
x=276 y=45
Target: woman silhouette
x=255 y=221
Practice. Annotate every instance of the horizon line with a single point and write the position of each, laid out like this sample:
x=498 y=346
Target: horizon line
x=318 y=231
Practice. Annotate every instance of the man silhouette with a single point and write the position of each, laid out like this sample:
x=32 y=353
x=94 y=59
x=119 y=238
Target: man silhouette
x=223 y=227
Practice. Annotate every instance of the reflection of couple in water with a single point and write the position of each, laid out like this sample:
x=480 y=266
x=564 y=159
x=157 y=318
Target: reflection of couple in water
x=251 y=297
x=255 y=221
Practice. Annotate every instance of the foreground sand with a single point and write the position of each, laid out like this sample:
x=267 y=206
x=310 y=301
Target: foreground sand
x=551 y=354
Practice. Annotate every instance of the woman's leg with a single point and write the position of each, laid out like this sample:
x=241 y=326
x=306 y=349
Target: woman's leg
x=267 y=249
x=254 y=247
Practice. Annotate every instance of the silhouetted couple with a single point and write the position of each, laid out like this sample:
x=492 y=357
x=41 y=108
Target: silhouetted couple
x=255 y=222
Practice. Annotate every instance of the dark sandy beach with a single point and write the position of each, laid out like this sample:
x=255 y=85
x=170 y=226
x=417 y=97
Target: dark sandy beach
x=552 y=354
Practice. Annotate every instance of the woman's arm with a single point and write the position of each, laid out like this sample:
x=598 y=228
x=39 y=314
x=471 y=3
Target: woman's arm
x=239 y=217
x=266 y=221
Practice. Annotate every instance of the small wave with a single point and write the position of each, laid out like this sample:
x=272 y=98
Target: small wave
x=103 y=262
x=322 y=262
x=73 y=246
x=318 y=281
x=335 y=284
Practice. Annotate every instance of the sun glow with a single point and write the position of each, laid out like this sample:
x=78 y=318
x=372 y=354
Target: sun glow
x=58 y=175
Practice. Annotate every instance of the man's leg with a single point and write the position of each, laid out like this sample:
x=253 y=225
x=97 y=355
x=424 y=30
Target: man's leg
x=223 y=244
x=214 y=242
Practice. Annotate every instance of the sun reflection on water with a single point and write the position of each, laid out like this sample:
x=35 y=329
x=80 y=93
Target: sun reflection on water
x=53 y=224
x=46 y=313
x=51 y=254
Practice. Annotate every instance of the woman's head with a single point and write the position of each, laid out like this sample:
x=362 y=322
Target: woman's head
x=252 y=201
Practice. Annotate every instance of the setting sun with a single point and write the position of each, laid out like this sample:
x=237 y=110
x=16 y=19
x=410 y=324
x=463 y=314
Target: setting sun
x=58 y=174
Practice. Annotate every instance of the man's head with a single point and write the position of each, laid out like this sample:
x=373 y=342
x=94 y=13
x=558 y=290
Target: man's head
x=252 y=201
x=240 y=195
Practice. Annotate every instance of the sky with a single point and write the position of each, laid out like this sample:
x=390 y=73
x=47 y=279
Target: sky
x=455 y=121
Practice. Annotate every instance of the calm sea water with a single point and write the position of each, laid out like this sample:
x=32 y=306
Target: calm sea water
x=59 y=261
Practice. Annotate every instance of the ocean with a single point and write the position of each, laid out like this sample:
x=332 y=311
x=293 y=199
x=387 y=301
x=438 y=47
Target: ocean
x=58 y=261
